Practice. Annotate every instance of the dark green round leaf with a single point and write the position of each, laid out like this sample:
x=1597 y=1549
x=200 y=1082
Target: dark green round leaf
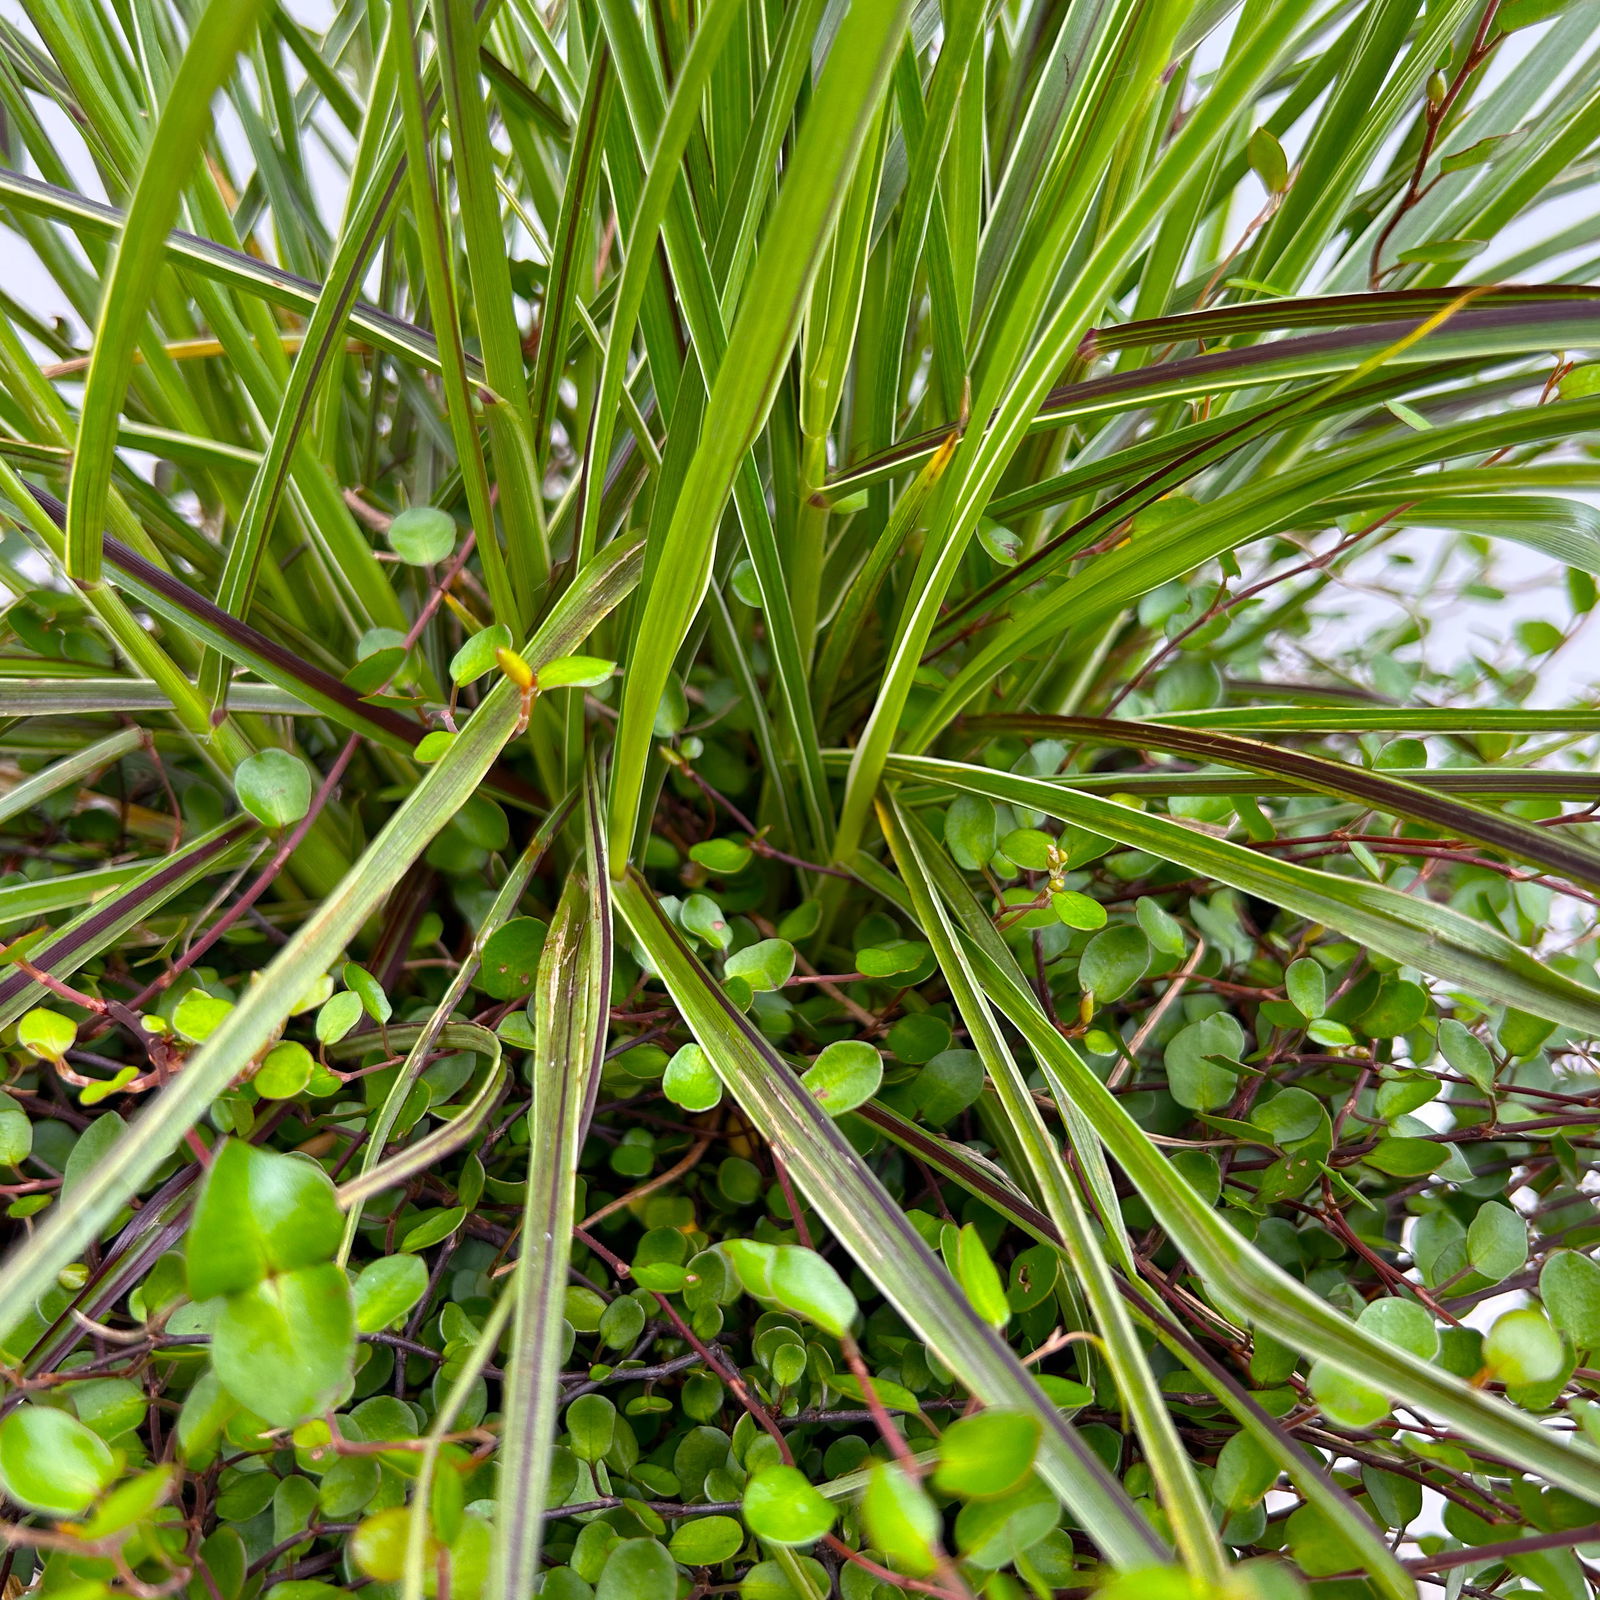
x=969 y=830
x=1113 y=961
x=591 y=1425
x=706 y=1541
x=511 y=959
x=1245 y=1471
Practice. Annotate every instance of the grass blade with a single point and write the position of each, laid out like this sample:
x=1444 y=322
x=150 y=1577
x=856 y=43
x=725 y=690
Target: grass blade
x=570 y=1028
x=219 y=35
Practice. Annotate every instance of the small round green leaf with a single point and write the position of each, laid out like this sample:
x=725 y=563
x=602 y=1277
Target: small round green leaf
x=1078 y=910
x=766 y=965
x=259 y=1212
x=574 y=672
x=1113 y=961
x=285 y=1071
x=1307 y=986
x=1245 y=1471
x=690 y=1080
x=511 y=959
x=46 y=1034
x=373 y=999
x=1402 y=1323
x=970 y=831
x=725 y=857
x=637 y=1568
x=845 y=1075
x=422 y=535
x=1523 y=1348
x=781 y=1507
x=1497 y=1242
x=337 y=1016
x=285 y=1349
x=981 y=1278
x=1197 y=1079
x=387 y=1289
x=1467 y=1053
x=706 y=1541
x=1344 y=1399
x=900 y=1519
x=1569 y=1285
x=274 y=787
x=479 y=654
x=802 y=1282
x=985 y=1456
x=591 y=1426
x=50 y=1462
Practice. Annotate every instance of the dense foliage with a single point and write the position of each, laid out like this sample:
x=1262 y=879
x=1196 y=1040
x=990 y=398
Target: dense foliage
x=773 y=822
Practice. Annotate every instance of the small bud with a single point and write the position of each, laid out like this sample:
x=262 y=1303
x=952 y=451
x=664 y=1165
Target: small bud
x=515 y=668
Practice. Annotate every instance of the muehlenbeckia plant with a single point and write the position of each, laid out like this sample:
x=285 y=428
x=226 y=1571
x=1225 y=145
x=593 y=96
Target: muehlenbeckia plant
x=750 y=845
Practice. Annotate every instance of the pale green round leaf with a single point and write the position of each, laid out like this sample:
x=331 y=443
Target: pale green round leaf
x=1522 y=1348
x=1402 y=1323
x=46 y=1033
x=478 y=655
x=1497 y=1242
x=285 y=1348
x=422 y=535
x=803 y=1282
x=845 y=1075
x=985 y=1456
x=388 y=1288
x=259 y=1212
x=1307 y=985
x=1569 y=1285
x=766 y=965
x=690 y=1080
x=1344 y=1399
x=900 y=1519
x=574 y=672
x=50 y=1462
x=781 y=1507
x=274 y=787
x=1197 y=1058
x=285 y=1072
